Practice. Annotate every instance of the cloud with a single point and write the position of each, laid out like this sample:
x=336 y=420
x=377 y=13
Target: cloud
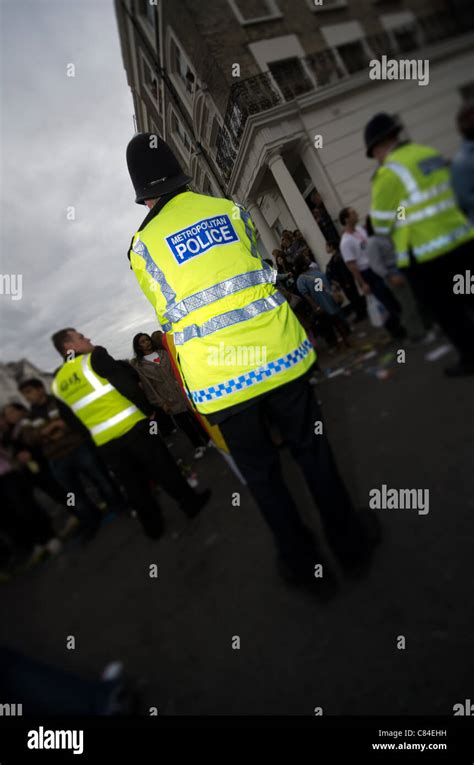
x=63 y=145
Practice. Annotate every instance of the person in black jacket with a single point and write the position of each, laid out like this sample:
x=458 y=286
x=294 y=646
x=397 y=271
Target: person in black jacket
x=139 y=457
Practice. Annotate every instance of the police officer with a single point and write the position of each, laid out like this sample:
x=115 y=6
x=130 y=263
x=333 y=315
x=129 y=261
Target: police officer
x=413 y=203
x=244 y=357
x=106 y=396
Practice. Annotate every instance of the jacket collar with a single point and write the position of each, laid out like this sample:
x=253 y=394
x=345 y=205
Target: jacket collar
x=155 y=210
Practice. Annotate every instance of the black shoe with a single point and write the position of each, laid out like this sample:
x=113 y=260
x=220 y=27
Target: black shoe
x=356 y=560
x=324 y=587
x=200 y=501
x=461 y=369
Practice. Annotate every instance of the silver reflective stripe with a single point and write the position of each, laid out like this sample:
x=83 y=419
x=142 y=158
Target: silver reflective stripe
x=424 y=196
x=139 y=248
x=442 y=241
x=91 y=397
x=382 y=229
x=99 y=388
x=405 y=176
x=229 y=318
x=427 y=212
x=113 y=420
x=218 y=291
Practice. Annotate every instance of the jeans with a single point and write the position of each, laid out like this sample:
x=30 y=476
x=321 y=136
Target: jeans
x=68 y=470
x=138 y=458
x=385 y=296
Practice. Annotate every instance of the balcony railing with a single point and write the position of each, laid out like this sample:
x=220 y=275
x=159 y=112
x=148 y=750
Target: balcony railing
x=259 y=93
x=255 y=94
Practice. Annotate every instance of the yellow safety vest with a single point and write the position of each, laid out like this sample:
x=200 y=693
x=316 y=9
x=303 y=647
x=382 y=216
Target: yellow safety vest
x=236 y=336
x=413 y=202
x=100 y=407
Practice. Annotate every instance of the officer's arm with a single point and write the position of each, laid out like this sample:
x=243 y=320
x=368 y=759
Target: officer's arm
x=122 y=376
x=388 y=193
x=252 y=235
x=149 y=287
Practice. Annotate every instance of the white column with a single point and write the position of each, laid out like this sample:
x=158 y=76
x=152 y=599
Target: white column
x=321 y=180
x=298 y=208
x=266 y=234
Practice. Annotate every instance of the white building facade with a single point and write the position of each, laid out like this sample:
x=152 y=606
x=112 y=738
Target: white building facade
x=294 y=126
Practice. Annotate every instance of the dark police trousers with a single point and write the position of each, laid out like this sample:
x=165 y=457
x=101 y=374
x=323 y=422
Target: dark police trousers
x=433 y=284
x=139 y=457
x=293 y=408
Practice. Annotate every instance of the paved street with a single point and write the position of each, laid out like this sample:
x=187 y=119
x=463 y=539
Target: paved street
x=216 y=575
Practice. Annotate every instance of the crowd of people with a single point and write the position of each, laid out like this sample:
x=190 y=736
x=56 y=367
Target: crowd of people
x=87 y=445
x=360 y=264
x=45 y=447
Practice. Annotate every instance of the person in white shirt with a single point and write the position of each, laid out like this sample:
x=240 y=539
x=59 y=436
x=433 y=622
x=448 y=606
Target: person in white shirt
x=353 y=247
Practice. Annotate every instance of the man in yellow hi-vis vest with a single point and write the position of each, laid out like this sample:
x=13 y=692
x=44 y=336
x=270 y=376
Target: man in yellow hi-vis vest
x=413 y=202
x=105 y=395
x=244 y=357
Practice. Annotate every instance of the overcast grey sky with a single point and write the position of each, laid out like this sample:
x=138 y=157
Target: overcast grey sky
x=63 y=142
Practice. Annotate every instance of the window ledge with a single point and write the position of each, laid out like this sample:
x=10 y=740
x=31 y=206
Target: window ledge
x=261 y=19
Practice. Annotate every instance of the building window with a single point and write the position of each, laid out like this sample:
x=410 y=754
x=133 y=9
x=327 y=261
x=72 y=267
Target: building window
x=147 y=9
x=354 y=56
x=180 y=135
x=152 y=86
x=204 y=131
x=406 y=38
x=214 y=133
x=207 y=188
x=381 y=44
x=326 y=68
x=290 y=77
x=254 y=11
x=403 y=29
x=181 y=68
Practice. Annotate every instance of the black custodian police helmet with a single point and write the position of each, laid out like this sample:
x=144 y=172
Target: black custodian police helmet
x=153 y=167
x=381 y=126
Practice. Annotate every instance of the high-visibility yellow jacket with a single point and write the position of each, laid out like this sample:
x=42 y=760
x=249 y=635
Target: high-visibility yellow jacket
x=235 y=335
x=413 y=202
x=100 y=407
